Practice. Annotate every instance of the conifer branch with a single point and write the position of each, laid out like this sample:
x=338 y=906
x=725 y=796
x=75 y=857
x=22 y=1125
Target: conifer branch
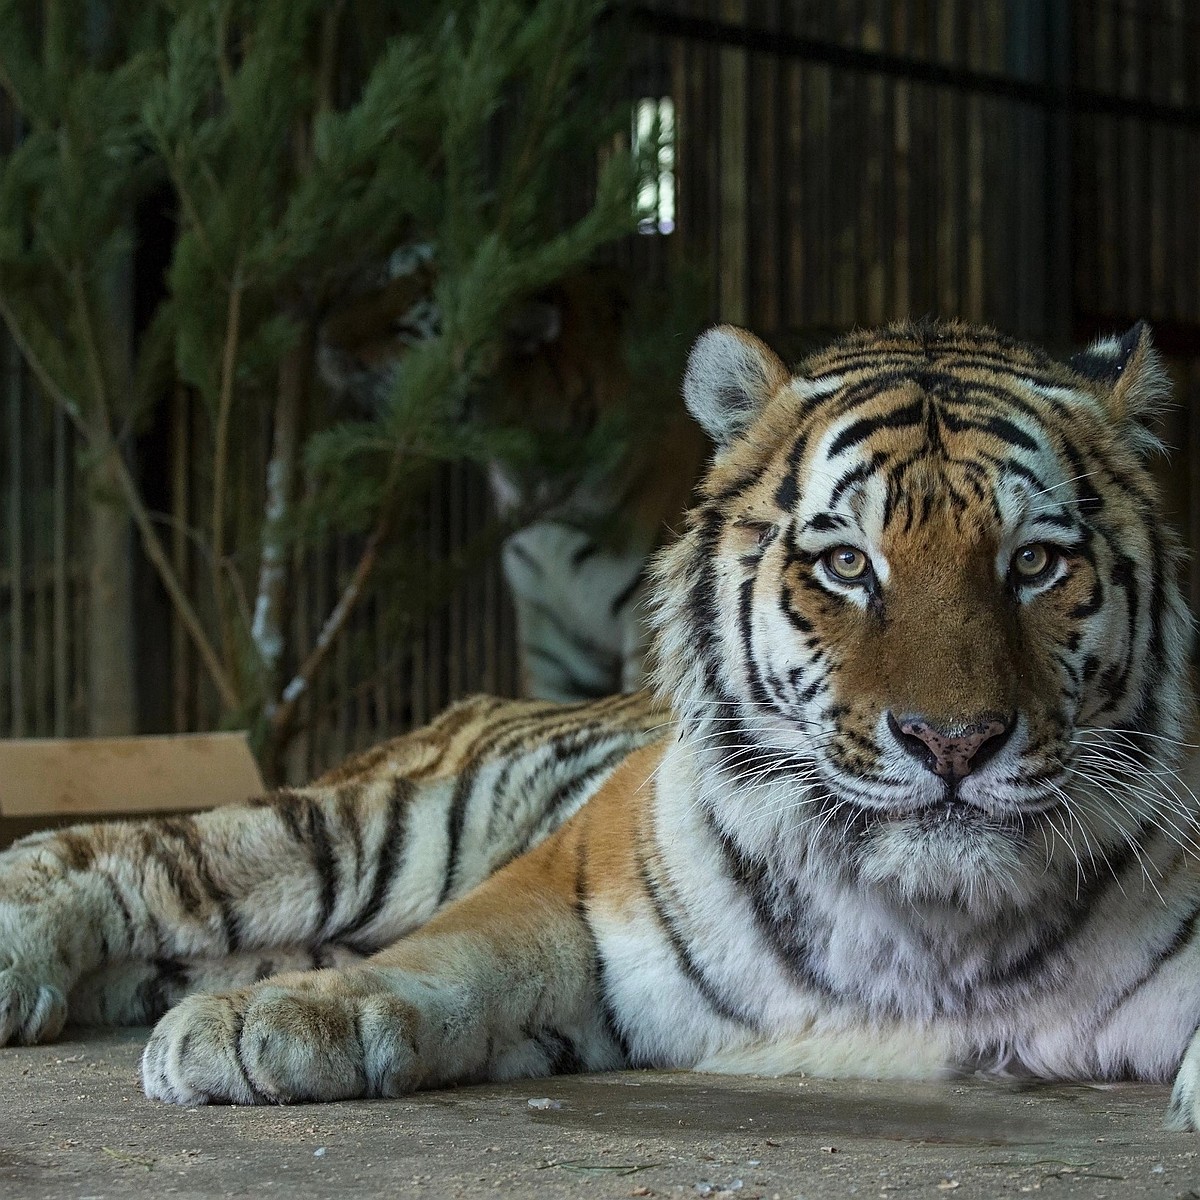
x=170 y=157
x=328 y=61
x=534 y=128
x=221 y=34
x=387 y=124
x=69 y=404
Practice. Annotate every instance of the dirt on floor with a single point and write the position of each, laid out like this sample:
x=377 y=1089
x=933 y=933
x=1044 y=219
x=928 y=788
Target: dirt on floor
x=74 y=1123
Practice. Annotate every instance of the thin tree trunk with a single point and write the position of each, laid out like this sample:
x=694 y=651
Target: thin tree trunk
x=112 y=696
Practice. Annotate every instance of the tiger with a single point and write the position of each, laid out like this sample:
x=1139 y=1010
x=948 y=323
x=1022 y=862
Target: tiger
x=575 y=564
x=909 y=798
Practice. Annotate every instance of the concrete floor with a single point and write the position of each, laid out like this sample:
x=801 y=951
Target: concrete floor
x=74 y=1123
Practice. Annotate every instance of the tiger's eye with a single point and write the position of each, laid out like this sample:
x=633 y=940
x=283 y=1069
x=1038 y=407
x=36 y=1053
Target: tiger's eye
x=1031 y=561
x=847 y=563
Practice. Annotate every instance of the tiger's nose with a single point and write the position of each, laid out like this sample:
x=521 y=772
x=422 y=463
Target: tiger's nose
x=953 y=751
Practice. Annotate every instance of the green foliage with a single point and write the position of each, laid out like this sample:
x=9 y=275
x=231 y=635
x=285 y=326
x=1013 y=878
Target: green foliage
x=65 y=194
x=298 y=144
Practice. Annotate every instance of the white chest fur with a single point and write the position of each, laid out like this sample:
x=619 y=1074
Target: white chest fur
x=747 y=960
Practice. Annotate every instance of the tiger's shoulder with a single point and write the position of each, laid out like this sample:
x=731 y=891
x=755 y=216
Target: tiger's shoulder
x=482 y=729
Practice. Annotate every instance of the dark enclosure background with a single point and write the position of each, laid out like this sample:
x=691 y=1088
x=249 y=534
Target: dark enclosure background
x=1030 y=163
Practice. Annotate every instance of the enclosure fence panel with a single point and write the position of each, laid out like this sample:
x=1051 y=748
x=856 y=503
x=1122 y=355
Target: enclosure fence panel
x=1028 y=163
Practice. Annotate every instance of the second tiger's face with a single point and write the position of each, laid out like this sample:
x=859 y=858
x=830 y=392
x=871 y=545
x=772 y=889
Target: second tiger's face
x=938 y=592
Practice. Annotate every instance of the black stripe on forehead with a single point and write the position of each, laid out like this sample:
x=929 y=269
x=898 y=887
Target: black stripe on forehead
x=900 y=495
x=825 y=522
x=990 y=396
x=949 y=390
x=935 y=416
x=949 y=349
x=944 y=404
x=859 y=431
x=1060 y=519
x=857 y=474
x=788 y=491
x=1012 y=466
x=995 y=426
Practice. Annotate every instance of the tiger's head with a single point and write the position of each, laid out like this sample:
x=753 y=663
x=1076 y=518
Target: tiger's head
x=925 y=614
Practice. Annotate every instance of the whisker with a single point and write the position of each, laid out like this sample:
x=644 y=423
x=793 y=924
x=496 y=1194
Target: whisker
x=1151 y=802
x=1055 y=486
x=1158 y=737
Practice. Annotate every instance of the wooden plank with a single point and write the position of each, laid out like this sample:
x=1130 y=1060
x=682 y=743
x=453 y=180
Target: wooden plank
x=822 y=229
x=846 y=179
x=779 y=216
x=340 y=704
x=125 y=775
x=300 y=752
x=7 y=579
x=766 y=219
x=476 y=611
x=79 y=620
x=385 y=668
x=1185 y=297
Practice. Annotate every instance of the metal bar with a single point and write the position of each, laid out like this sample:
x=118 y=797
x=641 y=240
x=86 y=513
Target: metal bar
x=60 y=643
x=1049 y=95
x=16 y=487
x=37 y=440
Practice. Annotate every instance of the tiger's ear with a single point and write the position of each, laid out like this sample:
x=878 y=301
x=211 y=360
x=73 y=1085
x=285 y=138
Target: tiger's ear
x=730 y=377
x=1136 y=384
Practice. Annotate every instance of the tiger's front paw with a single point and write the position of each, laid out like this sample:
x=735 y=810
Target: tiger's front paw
x=283 y=1043
x=32 y=1009
x=1183 y=1114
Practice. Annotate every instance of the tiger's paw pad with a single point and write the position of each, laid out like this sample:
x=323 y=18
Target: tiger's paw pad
x=280 y=1045
x=31 y=1010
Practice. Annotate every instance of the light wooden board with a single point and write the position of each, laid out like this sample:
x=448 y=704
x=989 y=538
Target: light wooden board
x=69 y=776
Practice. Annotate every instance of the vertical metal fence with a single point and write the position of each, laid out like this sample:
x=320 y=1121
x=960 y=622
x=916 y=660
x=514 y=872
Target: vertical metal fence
x=43 y=565
x=1029 y=163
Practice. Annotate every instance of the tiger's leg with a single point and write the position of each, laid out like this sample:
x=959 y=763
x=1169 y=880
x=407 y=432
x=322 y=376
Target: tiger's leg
x=139 y=992
x=352 y=863
x=502 y=984
x=303 y=868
